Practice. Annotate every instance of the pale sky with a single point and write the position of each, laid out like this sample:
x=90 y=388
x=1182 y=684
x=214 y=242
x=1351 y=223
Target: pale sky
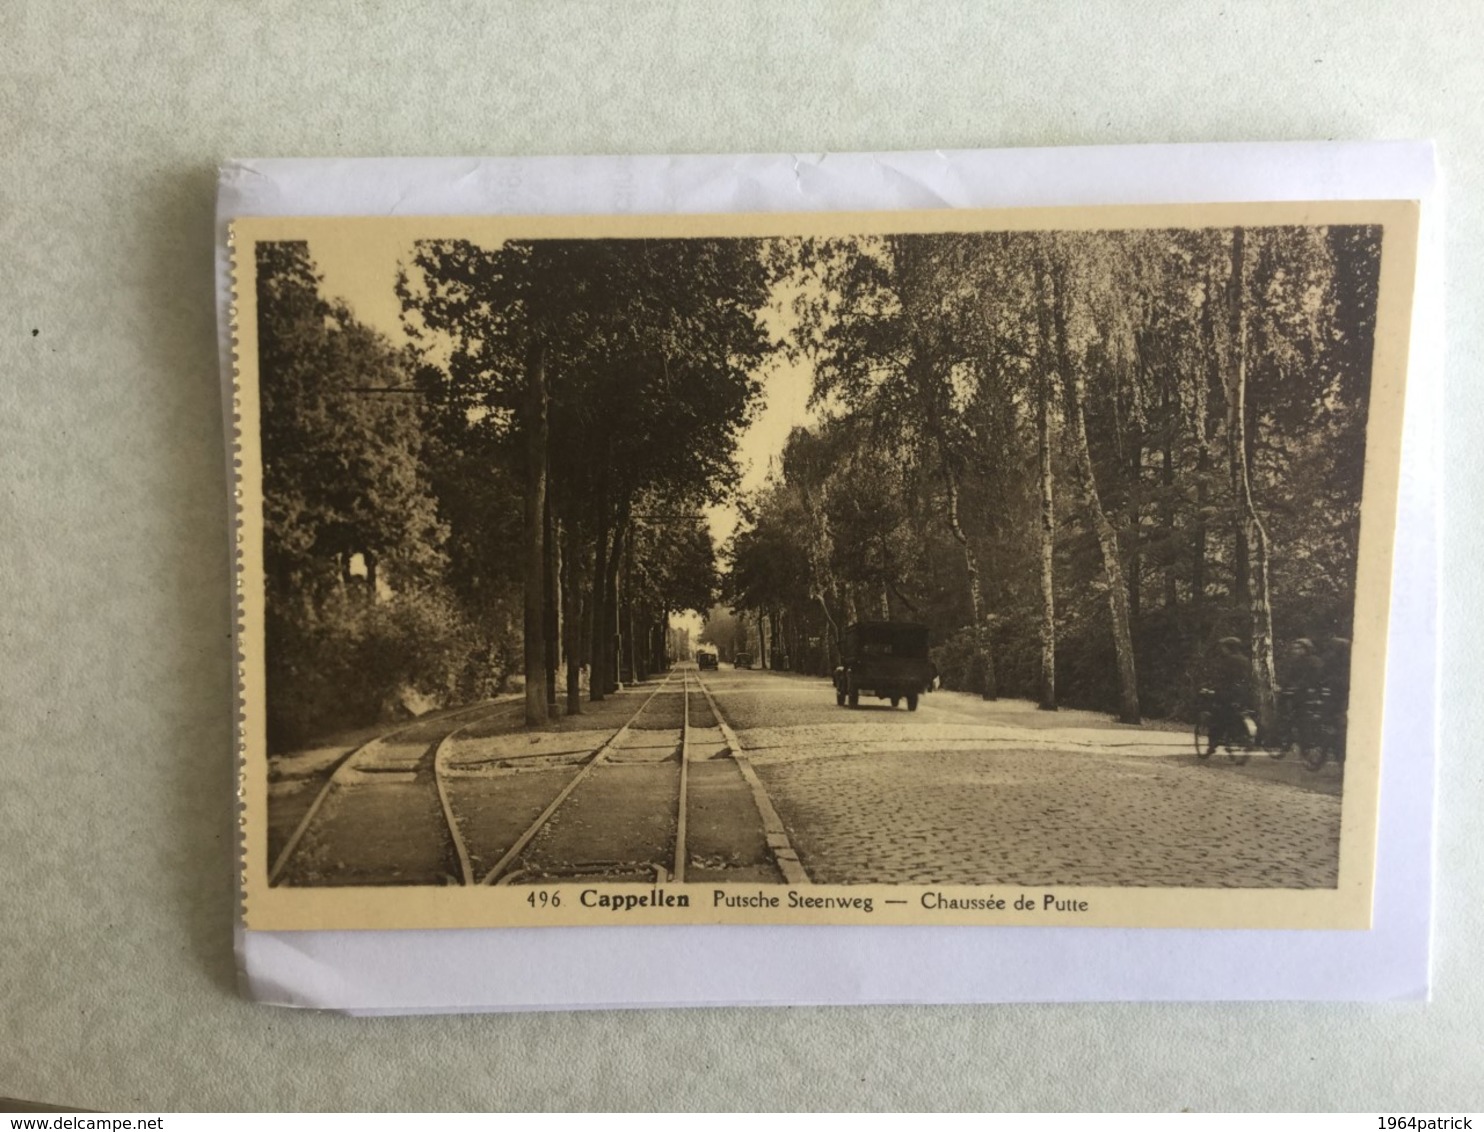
x=785 y=405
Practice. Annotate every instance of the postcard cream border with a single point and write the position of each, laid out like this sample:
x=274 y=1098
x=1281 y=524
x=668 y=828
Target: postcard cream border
x=1346 y=906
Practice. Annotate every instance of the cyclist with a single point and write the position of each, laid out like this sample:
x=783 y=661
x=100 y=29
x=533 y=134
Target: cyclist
x=1335 y=673
x=1303 y=688
x=1231 y=686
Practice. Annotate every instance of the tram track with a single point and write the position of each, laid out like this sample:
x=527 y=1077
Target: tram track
x=361 y=761
x=503 y=868
x=668 y=796
x=780 y=848
x=665 y=800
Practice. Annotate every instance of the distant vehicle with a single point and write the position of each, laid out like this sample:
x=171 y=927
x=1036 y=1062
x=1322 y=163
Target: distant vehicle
x=885 y=659
x=706 y=658
x=742 y=660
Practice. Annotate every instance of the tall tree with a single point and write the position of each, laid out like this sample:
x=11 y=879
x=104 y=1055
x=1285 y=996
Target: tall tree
x=881 y=344
x=649 y=353
x=361 y=618
x=1075 y=388
x=1252 y=536
x=537 y=518
x=1046 y=688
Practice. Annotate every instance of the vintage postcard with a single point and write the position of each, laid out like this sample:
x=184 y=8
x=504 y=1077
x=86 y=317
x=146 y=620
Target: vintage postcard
x=1020 y=567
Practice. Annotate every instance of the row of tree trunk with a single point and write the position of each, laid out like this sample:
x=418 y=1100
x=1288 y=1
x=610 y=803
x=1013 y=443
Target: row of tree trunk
x=577 y=616
x=1250 y=535
x=616 y=640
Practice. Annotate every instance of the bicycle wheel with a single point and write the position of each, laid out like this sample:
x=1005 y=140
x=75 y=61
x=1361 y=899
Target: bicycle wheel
x=1202 y=738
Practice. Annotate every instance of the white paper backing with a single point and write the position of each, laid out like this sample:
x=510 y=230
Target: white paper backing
x=561 y=968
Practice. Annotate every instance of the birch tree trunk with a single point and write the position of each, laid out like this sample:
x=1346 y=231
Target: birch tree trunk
x=1135 y=521
x=1202 y=386
x=535 y=523
x=831 y=636
x=1253 y=536
x=1047 y=697
x=983 y=661
x=1167 y=480
x=1076 y=392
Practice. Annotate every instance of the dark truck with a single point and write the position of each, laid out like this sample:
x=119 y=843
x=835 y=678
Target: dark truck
x=886 y=659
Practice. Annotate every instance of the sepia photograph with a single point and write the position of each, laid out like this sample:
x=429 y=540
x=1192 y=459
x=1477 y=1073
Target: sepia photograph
x=1023 y=567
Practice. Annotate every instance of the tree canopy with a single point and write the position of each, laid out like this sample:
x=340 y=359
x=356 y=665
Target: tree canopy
x=1080 y=457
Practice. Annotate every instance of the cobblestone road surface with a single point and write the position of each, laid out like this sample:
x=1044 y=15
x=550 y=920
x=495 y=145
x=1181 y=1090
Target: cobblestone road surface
x=967 y=792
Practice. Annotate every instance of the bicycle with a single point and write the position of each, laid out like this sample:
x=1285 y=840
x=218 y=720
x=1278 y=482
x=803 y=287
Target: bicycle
x=1312 y=732
x=1289 y=725
x=1238 y=748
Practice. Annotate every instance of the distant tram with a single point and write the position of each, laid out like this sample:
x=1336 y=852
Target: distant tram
x=707 y=658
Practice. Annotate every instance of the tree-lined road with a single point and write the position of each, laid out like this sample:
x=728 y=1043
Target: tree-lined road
x=1079 y=459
